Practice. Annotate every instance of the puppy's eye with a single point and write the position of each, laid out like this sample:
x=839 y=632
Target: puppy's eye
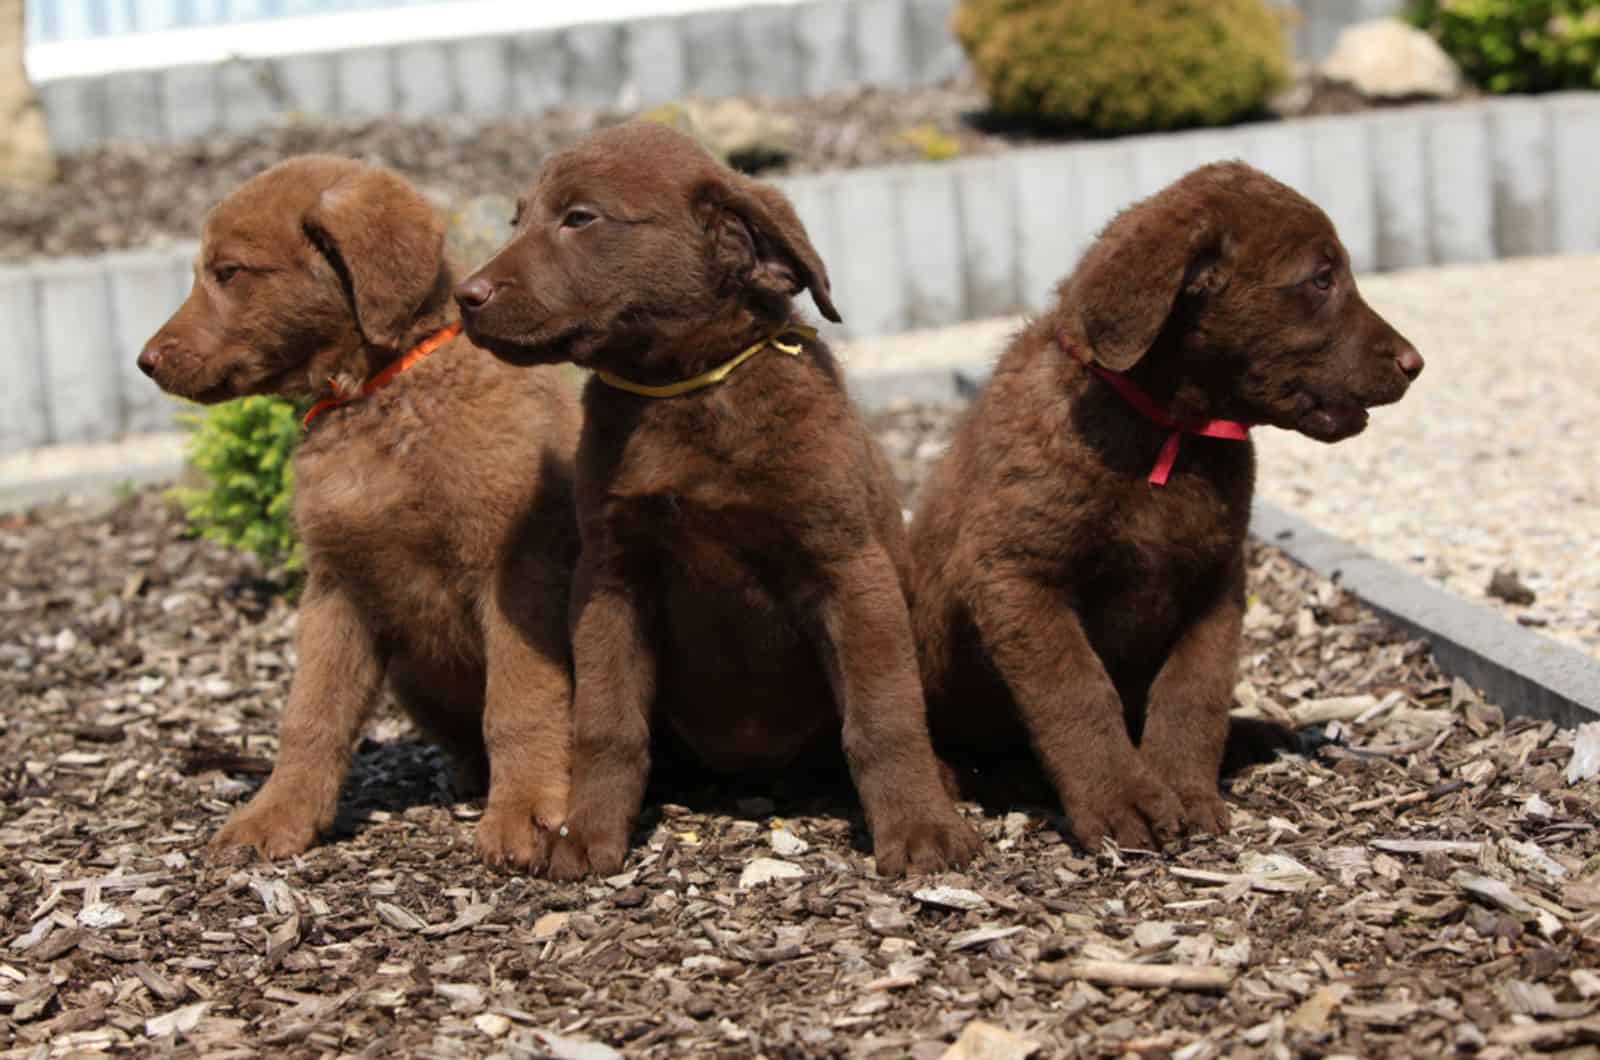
x=578 y=217
x=1323 y=280
x=225 y=273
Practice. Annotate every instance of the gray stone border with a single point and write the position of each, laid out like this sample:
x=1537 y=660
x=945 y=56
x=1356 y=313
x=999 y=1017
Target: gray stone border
x=1314 y=27
x=1524 y=673
x=931 y=244
x=927 y=245
x=93 y=474
x=94 y=489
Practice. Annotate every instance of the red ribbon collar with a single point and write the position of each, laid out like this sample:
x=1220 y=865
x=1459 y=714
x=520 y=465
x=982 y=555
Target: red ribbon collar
x=1233 y=430
x=385 y=377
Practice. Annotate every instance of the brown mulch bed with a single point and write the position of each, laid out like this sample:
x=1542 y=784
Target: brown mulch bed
x=132 y=194
x=1429 y=885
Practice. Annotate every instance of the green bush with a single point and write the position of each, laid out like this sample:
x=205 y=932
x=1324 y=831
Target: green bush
x=245 y=450
x=1518 y=45
x=1118 y=66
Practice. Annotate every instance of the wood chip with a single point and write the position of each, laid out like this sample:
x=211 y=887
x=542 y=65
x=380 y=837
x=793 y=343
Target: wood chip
x=985 y=1041
x=1553 y=1035
x=765 y=870
x=951 y=898
x=1585 y=761
x=397 y=917
x=1312 y=1015
x=1203 y=978
x=1383 y=1014
x=471 y=916
x=980 y=937
x=1427 y=846
x=1338 y=708
x=467 y=997
x=178 y=1021
x=158 y=984
x=550 y=925
x=1500 y=894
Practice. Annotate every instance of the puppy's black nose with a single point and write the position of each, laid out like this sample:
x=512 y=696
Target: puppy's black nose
x=1409 y=362
x=474 y=293
x=149 y=357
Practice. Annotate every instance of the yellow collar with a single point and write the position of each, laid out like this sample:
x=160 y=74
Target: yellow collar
x=715 y=375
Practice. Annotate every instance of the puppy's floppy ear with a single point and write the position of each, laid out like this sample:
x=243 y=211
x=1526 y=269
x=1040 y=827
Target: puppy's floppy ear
x=757 y=236
x=1128 y=283
x=387 y=246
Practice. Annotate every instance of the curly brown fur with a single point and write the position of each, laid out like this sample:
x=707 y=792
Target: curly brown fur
x=744 y=559
x=1064 y=602
x=436 y=515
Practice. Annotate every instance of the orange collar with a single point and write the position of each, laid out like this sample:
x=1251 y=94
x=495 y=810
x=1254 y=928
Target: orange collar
x=385 y=377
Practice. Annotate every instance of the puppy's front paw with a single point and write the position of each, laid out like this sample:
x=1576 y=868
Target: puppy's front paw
x=937 y=841
x=275 y=828
x=1129 y=804
x=581 y=851
x=511 y=839
x=1204 y=810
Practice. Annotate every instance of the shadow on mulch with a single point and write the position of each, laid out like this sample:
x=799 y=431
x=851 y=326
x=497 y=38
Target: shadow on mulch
x=389 y=777
x=392 y=776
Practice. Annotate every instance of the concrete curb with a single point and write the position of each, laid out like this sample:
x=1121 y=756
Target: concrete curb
x=932 y=244
x=1524 y=673
x=89 y=474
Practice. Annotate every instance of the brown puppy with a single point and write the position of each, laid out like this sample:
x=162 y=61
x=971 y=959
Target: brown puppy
x=744 y=561
x=436 y=513
x=1064 y=599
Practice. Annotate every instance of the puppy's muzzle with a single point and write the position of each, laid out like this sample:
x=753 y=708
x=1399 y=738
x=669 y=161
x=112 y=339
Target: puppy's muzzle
x=1409 y=361
x=475 y=293
x=150 y=357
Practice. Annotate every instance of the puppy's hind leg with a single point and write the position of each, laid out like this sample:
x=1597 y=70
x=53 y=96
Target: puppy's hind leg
x=335 y=689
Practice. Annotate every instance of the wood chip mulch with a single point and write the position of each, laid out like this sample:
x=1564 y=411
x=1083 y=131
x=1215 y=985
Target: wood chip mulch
x=1429 y=884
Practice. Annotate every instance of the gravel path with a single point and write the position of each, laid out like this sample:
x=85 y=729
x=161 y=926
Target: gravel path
x=1488 y=463
x=1426 y=889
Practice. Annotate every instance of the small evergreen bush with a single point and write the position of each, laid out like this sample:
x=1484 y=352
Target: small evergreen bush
x=245 y=450
x=1120 y=66
x=1518 y=45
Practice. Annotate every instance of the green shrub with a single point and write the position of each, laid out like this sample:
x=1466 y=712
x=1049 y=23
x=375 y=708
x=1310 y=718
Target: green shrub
x=1518 y=45
x=1119 y=66
x=245 y=450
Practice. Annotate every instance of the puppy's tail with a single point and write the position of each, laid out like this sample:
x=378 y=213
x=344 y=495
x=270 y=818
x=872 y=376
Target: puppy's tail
x=1256 y=741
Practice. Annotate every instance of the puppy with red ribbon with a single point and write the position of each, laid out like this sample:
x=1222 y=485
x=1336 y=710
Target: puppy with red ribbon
x=1079 y=550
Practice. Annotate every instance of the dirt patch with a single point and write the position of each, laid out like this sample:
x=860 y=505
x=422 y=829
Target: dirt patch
x=131 y=194
x=1428 y=886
